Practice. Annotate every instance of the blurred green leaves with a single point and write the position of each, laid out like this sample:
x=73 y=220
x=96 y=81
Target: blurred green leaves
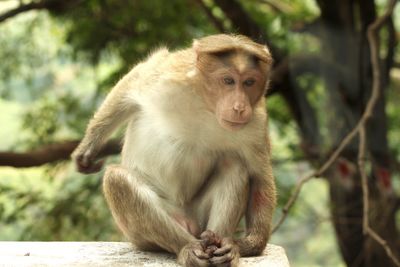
x=132 y=28
x=68 y=208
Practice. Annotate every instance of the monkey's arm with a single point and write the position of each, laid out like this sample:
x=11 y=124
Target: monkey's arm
x=116 y=109
x=259 y=212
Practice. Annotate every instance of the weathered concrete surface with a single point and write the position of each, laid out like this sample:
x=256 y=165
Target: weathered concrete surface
x=107 y=254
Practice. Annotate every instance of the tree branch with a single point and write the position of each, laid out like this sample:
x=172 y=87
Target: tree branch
x=52 y=5
x=51 y=153
x=22 y=8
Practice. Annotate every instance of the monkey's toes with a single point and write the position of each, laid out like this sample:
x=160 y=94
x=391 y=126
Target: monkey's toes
x=209 y=238
x=193 y=255
x=210 y=250
x=227 y=254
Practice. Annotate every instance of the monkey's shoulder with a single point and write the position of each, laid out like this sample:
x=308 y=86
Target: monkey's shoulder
x=164 y=67
x=152 y=62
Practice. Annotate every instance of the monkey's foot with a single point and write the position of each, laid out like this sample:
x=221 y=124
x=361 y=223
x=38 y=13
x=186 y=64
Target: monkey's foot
x=210 y=240
x=193 y=255
x=222 y=251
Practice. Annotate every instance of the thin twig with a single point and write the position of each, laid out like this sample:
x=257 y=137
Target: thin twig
x=348 y=138
x=376 y=84
x=367 y=230
x=361 y=166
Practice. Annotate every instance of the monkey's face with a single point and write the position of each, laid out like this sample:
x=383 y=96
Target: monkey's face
x=234 y=83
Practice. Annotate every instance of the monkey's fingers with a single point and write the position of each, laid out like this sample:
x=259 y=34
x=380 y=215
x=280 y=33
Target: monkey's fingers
x=84 y=160
x=91 y=168
x=198 y=258
x=227 y=255
x=210 y=250
x=199 y=253
x=227 y=244
x=196 y=262
x=98 y=165
x=223 y=250
x=193 y=255
x=226 y=258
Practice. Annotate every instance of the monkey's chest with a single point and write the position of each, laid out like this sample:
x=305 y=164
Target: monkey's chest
x=175 y=169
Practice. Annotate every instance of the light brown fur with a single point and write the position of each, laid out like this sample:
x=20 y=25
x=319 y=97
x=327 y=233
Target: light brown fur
x=196 y=152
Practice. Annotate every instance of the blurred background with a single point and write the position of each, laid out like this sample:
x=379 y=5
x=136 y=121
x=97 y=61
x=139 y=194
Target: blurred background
x=58 y=60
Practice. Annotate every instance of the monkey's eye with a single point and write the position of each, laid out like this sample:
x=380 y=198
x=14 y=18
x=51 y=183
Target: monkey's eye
x=229 y=80
x=249 y=82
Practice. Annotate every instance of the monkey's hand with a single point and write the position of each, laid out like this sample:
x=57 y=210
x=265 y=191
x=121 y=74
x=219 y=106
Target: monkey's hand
x=194 y=255
x=223 y=251
x=85 y=160
x=227 y=255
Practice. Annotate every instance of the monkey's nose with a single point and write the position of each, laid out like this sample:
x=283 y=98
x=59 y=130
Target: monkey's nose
x=239 y=107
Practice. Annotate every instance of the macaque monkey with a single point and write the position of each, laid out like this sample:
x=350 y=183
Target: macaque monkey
x=196 y=155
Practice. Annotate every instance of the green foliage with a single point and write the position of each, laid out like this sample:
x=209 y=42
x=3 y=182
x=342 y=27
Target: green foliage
x=54 y=117
x=46 y=112
x=25 y=74
x=132 y=28
x=47 y=97
x=34 y=206
x=283 y=129
x=308 y=235
x=279 y=18
x=40 y=71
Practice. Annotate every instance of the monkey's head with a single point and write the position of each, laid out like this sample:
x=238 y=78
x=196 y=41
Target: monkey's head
x=234 y=74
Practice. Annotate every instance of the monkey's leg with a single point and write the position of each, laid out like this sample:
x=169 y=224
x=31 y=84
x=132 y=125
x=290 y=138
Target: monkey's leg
x=137 y=210
x=227 y=196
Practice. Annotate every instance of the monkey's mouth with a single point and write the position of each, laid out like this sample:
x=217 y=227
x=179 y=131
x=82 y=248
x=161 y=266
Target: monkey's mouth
x=233 y=125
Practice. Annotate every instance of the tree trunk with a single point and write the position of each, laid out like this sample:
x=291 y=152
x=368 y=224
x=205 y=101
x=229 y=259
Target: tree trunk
x=343 y=36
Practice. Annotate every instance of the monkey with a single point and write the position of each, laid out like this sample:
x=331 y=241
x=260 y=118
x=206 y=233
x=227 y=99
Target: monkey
x=196 y=152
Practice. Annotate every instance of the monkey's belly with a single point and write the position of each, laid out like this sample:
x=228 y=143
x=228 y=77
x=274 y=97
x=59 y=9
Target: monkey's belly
x=175 y=169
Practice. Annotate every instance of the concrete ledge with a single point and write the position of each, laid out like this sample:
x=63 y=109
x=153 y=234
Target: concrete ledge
x=108 y=254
